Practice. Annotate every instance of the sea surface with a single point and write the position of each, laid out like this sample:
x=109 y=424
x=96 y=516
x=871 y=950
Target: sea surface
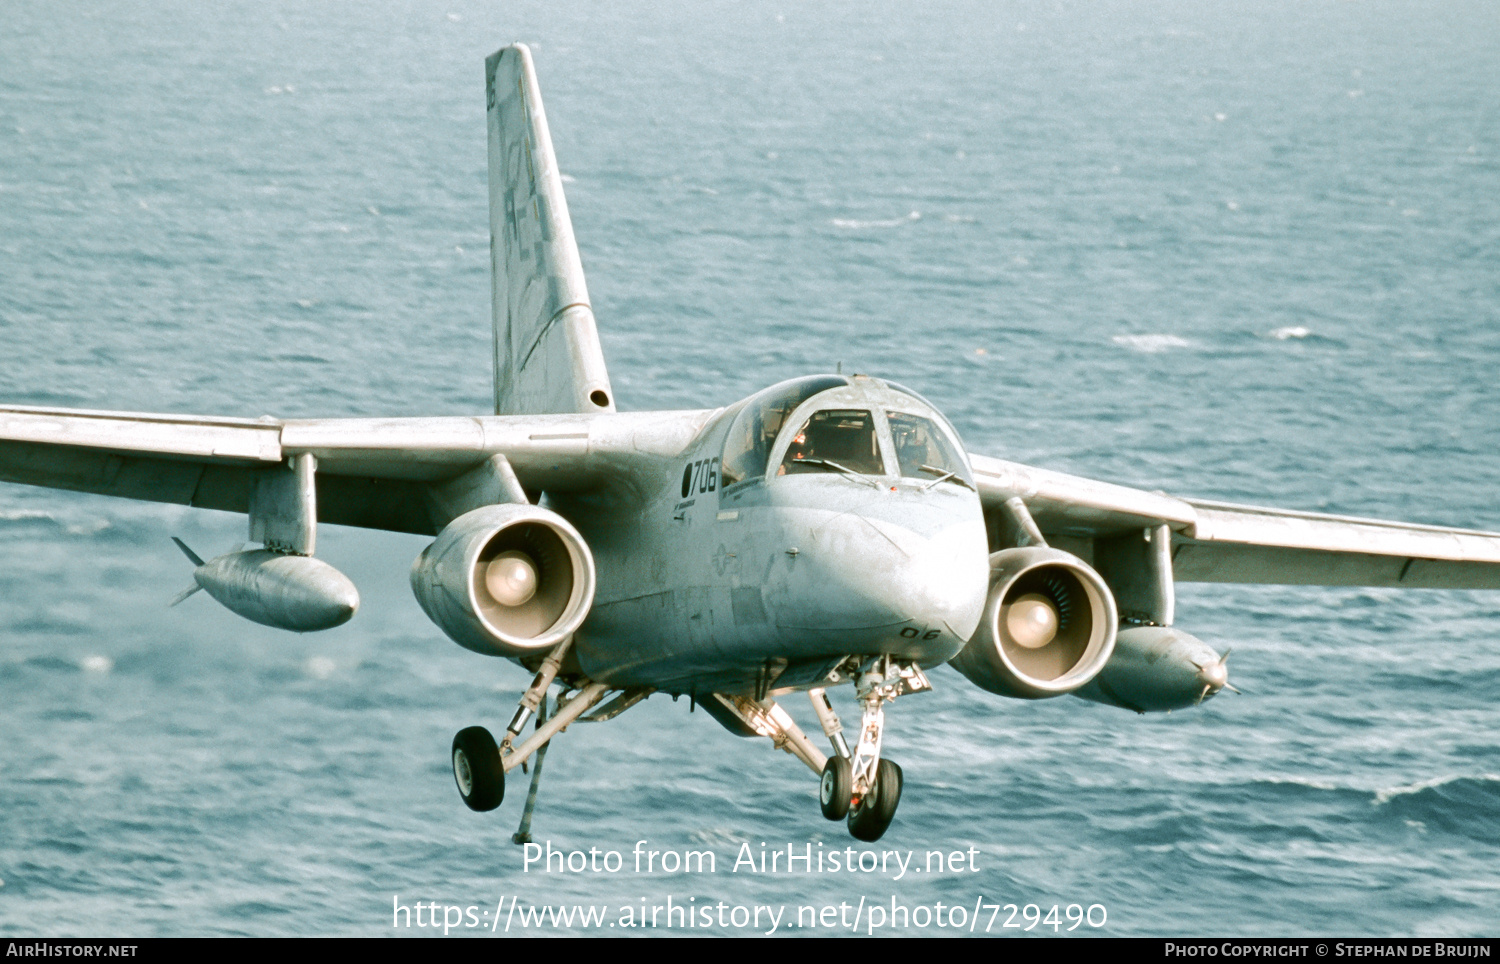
x=1233 y=250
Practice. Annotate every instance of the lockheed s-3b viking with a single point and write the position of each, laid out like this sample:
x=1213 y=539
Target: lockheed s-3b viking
x=830 y=529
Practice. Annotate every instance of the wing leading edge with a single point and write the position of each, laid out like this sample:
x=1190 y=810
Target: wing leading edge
x=381 y=473
x=375 y=473
x=1223 y=542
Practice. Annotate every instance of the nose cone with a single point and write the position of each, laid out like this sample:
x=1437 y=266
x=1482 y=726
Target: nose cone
x=945 y=579
x=511 y=578
x=877 y=585
x=1214 y=676
x=342 y=601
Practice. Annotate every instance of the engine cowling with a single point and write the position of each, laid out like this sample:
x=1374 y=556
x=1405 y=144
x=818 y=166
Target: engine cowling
x=506 y=580
x=1048 y=625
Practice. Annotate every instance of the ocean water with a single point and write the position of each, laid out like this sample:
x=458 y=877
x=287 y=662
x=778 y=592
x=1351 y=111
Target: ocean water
x=1237 y=251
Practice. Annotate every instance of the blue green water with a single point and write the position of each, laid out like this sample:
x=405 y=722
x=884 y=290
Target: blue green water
x=1231 y=250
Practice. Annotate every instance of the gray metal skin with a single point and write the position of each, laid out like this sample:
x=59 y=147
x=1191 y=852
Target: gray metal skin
x=725 y=588
x=1157 y=669
x=292 y=592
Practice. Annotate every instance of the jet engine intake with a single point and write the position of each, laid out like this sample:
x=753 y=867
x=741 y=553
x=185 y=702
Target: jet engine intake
x=506 y=580
x=1048 y=625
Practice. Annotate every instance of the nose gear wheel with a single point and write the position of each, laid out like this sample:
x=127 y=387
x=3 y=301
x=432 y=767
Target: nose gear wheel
x=836 y=787
x=869 y=820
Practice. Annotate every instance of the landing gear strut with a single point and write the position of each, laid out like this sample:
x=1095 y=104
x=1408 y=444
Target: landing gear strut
x=859 y=785
x=768 y=719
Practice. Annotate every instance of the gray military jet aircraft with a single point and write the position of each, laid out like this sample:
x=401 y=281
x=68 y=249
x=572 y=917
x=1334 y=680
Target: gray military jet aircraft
x=830 y=529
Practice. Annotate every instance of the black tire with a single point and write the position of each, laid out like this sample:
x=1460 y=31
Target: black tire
x=868 y=821
x=477 y=769
x=836 y=787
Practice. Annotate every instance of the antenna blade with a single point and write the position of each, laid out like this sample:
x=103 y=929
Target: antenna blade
x=184 y=594
x=192 y=556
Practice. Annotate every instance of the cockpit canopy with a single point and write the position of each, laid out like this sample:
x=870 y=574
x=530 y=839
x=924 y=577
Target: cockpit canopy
x=863 y=427
x=755 y=429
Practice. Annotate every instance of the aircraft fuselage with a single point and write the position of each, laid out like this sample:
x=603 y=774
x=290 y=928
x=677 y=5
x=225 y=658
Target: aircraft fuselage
x=706 y=586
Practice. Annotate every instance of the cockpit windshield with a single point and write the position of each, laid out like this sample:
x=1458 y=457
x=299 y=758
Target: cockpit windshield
x=924 y=451
x=860 y=431
x=754 y=431
x=837 y=439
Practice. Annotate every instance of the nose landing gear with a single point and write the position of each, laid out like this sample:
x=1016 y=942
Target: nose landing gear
x=859 y=785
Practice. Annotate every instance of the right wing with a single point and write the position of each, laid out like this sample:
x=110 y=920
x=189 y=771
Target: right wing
x=377 y=473
x=1223 y=542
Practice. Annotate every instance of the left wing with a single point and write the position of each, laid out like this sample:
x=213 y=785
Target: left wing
x=377 y=473
x=1222 y=542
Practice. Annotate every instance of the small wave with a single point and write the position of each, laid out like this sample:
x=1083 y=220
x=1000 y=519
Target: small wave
x=1151 y=344
x=97 y=664
x=31 y=517
x=320 y=667
x=886 y=223
x=717 y=835
x=1462 y=806
x=67 y=715
x=1290 y=331
x=1308 y=782
x=1436 y=783
x=52 y=663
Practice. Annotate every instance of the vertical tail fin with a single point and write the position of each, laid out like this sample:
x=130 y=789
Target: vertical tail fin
x=547 y=354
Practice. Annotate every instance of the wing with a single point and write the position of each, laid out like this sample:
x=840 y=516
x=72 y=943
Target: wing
x=1220 y=542
x=374 y=473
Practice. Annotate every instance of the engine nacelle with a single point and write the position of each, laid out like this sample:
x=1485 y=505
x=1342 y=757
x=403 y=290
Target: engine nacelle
x=506 y=580
x=1048 y=625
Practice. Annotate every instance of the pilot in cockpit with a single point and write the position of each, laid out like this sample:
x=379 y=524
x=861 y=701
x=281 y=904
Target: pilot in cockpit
x=798 y=450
